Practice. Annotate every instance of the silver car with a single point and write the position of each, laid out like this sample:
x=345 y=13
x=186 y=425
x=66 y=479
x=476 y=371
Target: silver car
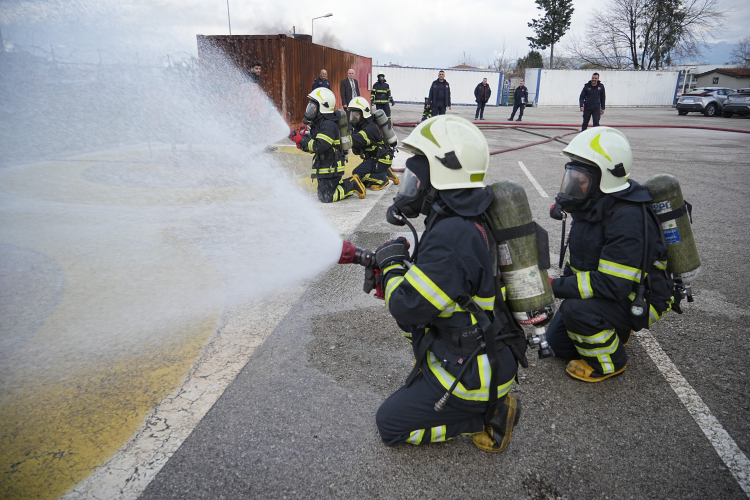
x=707 y=100
x=738 y=102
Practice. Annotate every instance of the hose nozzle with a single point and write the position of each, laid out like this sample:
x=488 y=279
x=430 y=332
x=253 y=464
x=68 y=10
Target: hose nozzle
x=352 y=254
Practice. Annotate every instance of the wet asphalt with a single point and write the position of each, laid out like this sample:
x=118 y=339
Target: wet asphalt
x=298 y=422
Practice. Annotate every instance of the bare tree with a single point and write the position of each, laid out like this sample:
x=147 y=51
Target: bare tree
x=466 y=59
x=741 y=53
x=646 y=34
x=503 y=60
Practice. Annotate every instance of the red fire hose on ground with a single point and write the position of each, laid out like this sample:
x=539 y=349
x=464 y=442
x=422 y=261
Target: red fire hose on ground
x=567 y=126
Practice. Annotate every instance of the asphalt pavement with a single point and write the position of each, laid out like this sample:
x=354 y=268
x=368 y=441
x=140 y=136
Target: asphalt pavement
x=299 y=419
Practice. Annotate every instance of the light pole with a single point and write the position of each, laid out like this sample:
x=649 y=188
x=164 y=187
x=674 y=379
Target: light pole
x=229 y=19
x=312 y=31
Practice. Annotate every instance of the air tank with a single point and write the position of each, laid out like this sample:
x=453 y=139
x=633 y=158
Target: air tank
x=346 y=138
x=529 y=292
x=683 y=259
x=384 y=123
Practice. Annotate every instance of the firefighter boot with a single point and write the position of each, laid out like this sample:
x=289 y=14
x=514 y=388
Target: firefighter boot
x=499 y=431
x=581 y=370
x=357 y=186
x=392 y=176
x=625 y=336
x=378 y=187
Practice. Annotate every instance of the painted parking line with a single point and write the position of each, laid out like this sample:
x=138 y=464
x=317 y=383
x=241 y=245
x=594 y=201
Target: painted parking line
x=533 y=181
x=722 y=442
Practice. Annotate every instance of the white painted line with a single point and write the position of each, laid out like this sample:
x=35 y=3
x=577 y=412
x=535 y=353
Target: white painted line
x=134 y=466
x=533 y=181
x=722 y=442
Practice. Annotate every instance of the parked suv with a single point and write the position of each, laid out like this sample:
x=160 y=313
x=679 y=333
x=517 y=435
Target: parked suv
x=706 y=100
x=738 y=102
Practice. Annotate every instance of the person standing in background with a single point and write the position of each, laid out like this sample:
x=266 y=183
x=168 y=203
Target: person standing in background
x=254 y=72
x=440 y=95
x=520 y=98
x=482 y=94
x=591 y=101
x=381 y=96
x=349 y=89
x=322 y=81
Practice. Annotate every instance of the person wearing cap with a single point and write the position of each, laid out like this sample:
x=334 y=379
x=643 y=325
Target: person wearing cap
x=444 y=297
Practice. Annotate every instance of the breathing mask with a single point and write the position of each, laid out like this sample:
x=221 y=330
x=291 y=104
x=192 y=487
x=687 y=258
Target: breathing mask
x=355 y=115
x=579 y=190
x=312 y=110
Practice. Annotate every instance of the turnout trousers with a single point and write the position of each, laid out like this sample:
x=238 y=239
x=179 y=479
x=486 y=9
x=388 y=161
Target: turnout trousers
x=373 y=174
x=520 y=107
x=335 y=189
x=409 y=416
x=593 y=330
x=385 y=107
x=588 y=114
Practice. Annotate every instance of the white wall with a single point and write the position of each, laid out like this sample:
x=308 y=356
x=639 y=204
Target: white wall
x=623 y=88
x=413 y=84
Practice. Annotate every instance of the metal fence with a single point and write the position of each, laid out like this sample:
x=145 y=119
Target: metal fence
x=289 y=65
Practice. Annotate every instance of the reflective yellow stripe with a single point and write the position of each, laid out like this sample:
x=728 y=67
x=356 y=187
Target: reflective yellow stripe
x=427 y=288
x=584 y=285
x=392 y=266
x=598 y=338
x=363 y=134
x=390 y=287
x=415 y=437
x=325 y=138
x=481 y=394
x=488 y=304
x=619 y=270
x=503 y=290
x=660 y=265
x=597 y=352
x=437 y=434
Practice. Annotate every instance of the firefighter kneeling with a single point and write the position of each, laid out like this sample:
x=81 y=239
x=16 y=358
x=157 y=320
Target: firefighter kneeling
x=324 y=142
x=368 y=142
x=446 y=297
x=613 y=240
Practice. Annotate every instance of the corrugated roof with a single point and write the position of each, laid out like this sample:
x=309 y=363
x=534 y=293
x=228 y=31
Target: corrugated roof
x=736 y=72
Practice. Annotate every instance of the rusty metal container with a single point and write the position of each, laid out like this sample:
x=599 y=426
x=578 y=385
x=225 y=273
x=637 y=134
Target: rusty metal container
x=290 y=65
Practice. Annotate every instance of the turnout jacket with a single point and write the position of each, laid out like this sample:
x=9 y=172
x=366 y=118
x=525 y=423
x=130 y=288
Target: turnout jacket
x=324 y=142
x=381 y=93
x=604 y=262
x=482 y=93
x=453 y=262
x=367 y=142
x=592 y=97
x=521 y=91
x=440 y=92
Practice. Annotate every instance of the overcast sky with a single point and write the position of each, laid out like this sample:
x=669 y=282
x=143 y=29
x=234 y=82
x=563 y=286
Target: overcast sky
x=416 y=32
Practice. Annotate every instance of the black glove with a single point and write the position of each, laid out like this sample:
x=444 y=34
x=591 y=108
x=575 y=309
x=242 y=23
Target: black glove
x=392 y=252
x=392 y=103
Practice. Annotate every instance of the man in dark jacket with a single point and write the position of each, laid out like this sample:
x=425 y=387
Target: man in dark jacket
x=520 y=98
x=349 y=89
x=440 y=95
x=254 y=72
x=482 y=95
x=368 y=143
x=608 y=289
x=381 y=95
x=430 y=296
x=324 y=142
x=322 y=81
x=592 y=100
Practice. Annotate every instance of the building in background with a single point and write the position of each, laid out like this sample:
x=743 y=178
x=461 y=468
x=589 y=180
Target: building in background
x=290 y=65
x=734 y=78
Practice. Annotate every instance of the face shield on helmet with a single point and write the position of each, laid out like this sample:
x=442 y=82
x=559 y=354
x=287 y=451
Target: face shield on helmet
x=580 y=184
x=312 y=110
x=355 y=116
x=412 y=190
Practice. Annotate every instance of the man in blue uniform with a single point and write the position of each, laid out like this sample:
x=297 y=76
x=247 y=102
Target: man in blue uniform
x=440 y=95
x=604 y=280
x=367 y=142
x=322 y=81
x=444 y=297
x=324 y=142
x=520 y=98
x=592 y=101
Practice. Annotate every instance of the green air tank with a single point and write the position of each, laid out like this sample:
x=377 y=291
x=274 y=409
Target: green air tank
x=346 y=138
x=682 y=252
x=529 y=293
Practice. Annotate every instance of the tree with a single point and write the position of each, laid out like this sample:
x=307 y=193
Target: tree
x=532 y=60
x=647 y=34
x=741 y=53
x=551 y=27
